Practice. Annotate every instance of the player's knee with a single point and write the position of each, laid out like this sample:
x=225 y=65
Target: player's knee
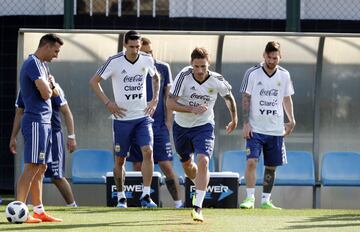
x=251 y=164
x=147 y=152
x=203 y=161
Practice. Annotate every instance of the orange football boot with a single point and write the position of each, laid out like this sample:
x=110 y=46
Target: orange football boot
x=45 y=217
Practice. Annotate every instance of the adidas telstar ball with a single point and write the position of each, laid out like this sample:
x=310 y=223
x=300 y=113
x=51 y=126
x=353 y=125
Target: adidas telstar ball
x=16 y=212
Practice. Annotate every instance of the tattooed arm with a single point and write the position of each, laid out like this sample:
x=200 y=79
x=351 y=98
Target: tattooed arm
x=247 y=133
x=231 y=105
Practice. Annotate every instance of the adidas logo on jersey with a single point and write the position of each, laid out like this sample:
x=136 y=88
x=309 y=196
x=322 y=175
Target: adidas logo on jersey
x=123 y=71
x=193 y=88
x=259 y=83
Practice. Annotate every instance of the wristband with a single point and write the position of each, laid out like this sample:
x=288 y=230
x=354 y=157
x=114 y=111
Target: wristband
x=107 y=103
x=72 y=136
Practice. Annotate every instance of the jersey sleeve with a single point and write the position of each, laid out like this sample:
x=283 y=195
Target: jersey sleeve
x=289 y=89
x=59 y=100
x=106 y=70
x=177 y=88
x=167 y=76
x=152 y=68
x=224 y=86
x=34 y=71
x=247 y=83
x=19 y=103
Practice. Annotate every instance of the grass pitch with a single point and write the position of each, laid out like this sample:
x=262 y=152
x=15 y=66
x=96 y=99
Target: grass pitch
x=165 y=219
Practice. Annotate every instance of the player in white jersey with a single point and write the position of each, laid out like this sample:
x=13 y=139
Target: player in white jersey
x=266 y=93
x=131 y=112
x=192 y=97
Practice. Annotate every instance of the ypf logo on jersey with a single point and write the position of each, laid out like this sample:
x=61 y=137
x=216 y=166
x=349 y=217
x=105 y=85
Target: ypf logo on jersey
x=214 y=192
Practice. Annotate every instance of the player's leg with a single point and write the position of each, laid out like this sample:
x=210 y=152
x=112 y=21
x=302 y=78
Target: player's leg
x=56 y=168
x=135 y=157
x=274 y=155
x=253 y=151
x=185 y=150
x=172 y=182
x=203 y=142
x=122 y=131
x=163 y=155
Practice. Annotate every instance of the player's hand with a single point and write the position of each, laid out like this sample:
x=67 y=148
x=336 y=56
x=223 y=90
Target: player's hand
x=199 y=109
x=71 y=145
x=247 y=132
x=289 y=127
x=231 y=126
x=116 y=110
x=151 y=107
x=12 y=145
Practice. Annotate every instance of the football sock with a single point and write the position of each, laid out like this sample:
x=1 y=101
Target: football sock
x=265 y=197
x=39 y=209
x=72 y=204
x=200 y=195
x=121 y=195
x=178 y=203
x=146 y=191
x=250 y=193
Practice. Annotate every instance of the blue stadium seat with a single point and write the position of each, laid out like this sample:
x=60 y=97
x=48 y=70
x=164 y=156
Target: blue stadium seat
x=89 y=166
x=340 y=169
x=298 y=171
x=235 y=161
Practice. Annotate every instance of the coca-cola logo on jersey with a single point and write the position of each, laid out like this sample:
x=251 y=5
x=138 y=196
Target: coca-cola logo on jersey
x=200 y=97
x=269 y=92
x=136 y=78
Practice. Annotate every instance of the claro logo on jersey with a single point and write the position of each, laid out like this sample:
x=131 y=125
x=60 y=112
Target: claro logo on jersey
x=135 y=86
x=129 y=190
x=214 y=191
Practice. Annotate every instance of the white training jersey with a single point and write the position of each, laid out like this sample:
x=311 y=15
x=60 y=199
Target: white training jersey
x=193 y=93
x=266 y=114
x=129 y=82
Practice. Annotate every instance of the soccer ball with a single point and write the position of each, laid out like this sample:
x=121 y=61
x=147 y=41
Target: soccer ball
x=16 y=212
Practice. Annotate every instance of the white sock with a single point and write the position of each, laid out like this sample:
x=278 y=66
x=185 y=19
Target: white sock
x=250 y=193
x=265 y=197
x=39 y=209
x=200 y=195
x=121 y=195
x=178 y=203
x=72 y=204
x=146 y=191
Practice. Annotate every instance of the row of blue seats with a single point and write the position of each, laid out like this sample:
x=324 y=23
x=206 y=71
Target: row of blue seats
x=90 y=166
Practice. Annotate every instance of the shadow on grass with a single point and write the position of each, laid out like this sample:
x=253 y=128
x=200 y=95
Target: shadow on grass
x=135 y=224
x=327 y=221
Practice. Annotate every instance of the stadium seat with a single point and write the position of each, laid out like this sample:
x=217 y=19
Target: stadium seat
x=235 y=161
x=299 y=170
x=340 y=169
x=89 y=166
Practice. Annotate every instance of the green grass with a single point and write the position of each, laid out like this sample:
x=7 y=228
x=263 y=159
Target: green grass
x=136 y=219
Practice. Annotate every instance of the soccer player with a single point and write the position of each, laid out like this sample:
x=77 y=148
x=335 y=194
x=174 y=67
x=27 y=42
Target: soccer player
x=193 y=97
x=56 y=168
x=163 y=119
x=266 y=92
x=36 y=123
x=130 y=110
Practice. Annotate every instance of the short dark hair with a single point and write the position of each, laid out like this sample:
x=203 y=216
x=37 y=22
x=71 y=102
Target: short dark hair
x=145 y=41
x=200 y=53
x=50 y=39
x=132 y=35
x=272 y=46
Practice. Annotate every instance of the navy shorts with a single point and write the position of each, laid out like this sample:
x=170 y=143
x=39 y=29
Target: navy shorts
x=56 y=168
x=162 y=147
x=273 y=148
x=137 y=131
x=198 y=140
x=37 y=142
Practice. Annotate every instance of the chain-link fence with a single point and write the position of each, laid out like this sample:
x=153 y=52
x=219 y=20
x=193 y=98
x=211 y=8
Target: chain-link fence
x=238 y=9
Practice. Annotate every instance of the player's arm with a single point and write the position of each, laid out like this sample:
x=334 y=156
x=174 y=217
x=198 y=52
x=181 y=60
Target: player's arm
x=173 y=104
x=289 y=110
x=44 y=88
x=231 y=105
x=247 y=133
x=169 y=113
x=15 y=129
x=111 y=106
x=69 y=122
x=151 y=107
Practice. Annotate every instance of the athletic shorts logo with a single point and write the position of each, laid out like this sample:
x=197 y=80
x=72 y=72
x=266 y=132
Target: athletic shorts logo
x=248 y=151
x=42 y=156
x=117 y=148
